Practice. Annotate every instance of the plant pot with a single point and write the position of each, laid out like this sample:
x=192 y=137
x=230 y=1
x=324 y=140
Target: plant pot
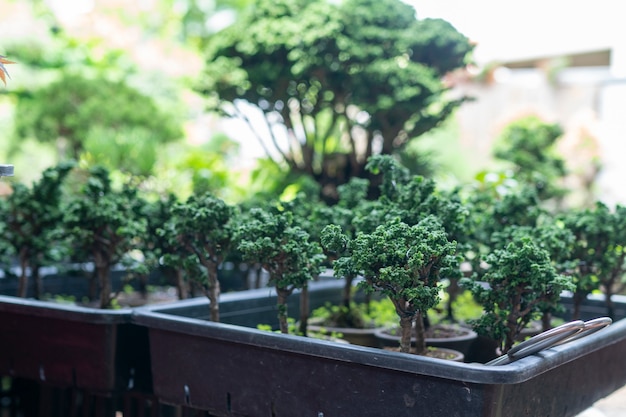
x=361 y=337
x=69 y=346
x=454 y=337
x=6 y=170
x=228 y=369
x=435 y=352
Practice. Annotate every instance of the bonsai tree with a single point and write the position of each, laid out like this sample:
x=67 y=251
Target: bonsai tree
x=521 y=281
x=102 y=222
x=31 y=217
x=200 y=233
x=528 y=144
x=157 y=248
x=402 y=262
x=76 y=109
x=331 y=80
x=599 y=252
x=284 y=250
x=491 y=213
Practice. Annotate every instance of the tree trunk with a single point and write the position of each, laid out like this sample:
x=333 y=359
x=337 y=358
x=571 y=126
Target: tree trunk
x=420 y=331
x=213 y=292
x=347 y=292
x=282 y=294
x=304 y=310
x=181 y=285
x=406 y=327
x=38 y=281
x=105 y=286
x=22 y=287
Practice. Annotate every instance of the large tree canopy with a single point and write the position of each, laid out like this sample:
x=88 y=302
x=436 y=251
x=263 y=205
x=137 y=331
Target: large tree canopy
x=335 y=82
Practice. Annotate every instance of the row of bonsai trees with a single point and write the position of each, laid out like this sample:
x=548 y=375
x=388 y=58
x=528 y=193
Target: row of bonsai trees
x=403 y=244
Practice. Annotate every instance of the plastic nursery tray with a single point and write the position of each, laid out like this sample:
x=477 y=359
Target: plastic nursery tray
x=232 y=370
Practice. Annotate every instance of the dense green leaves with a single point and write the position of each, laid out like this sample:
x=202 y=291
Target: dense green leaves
x=528 y=144
x=521 y=283
x=403 y=262
x=599 y=250
x=103 y=222
x=81 y=110
x=199 y=232
x=283 y=249
x=332 y=79
x=31 y=219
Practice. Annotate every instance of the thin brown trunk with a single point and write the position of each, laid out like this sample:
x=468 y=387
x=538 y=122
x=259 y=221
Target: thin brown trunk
x=38 y=281
x=105 y=286
x=420 y=331
x=304 y=310
x=347 y=292
x=281 y=296
x=181 y=285
x=546 y=320
x=213 y=292
x=22 y=288
x=406 y=325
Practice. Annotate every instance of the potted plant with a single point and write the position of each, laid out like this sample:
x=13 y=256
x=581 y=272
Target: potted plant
x=284 y=250
x=199 y=235
x=31 y=217
x=598 y=258
x=101 y=222
x=403 y=262
x=520 y=282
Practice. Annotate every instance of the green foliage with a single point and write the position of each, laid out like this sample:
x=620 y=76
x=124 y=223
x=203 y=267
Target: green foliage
x=521 y=283
x=85 y=110
x=374 y=313
x=322 y=71
x=199 y=233
x=30 y=220
x=599 y=252
x=402 y=262
x=528 y=144
x=283 y=249
x=103 y=222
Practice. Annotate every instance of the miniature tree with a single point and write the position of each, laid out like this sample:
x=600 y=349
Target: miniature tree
x=31 y=218
x=528 y=144
x=402 y=262
x=200 y=232
x=159 y=251
x=336 y=78
x=102 y=221
x=76 y=109
x=284 y=250
x=599 y=251
x=521 y=280
x=551 y=236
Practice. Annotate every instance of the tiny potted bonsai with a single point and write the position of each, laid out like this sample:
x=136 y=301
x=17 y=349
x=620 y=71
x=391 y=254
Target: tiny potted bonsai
x=103 y=222
x=402 y=262
x=31 y=219
x=199 y=235
x=284 y=250
x=519 y=283
x=599 y=252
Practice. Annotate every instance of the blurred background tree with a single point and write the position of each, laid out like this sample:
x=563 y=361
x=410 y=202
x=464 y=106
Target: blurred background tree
x=333 y=82
x=528 y=147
